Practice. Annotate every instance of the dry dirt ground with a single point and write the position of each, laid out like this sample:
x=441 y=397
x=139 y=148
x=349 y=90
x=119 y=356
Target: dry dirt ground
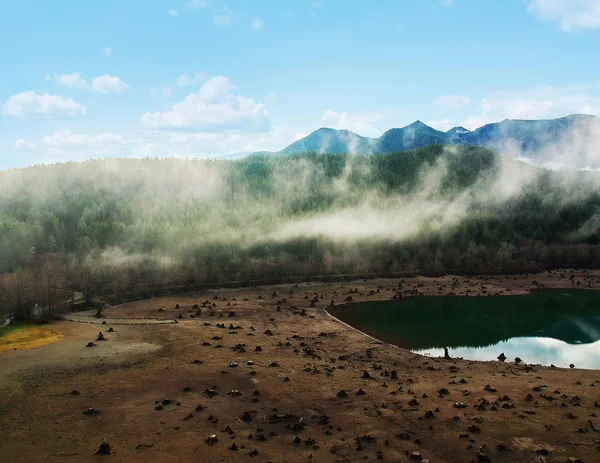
x=287 y=386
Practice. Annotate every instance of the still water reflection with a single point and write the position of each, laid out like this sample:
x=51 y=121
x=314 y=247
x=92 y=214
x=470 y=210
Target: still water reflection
x=547 y=327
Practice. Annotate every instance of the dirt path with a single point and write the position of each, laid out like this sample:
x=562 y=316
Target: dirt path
x=89 y=316
x=289 y=385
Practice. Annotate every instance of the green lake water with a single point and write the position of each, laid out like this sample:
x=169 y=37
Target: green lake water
x=547 y=327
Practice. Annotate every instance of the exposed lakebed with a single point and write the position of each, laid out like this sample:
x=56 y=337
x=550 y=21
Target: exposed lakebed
x=552 y=326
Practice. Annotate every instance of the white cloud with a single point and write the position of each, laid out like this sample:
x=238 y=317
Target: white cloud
x=73 y=80
x=362 y=124
x=108 y=84
x=443 y=124
x=69 y=145
x=452 y=101
x=571 y=14
x=47 y=106
x=173 y=12
x=101 y=84
x=222 y=20
x=225 y=19
x=66 y=140
x=216 y=107
x=256 y=24
x=196 y=4
x=25 y=145
x=542 y=102
x=447 y=2
x=107 y=51
x=185 y=80
x=209 y=144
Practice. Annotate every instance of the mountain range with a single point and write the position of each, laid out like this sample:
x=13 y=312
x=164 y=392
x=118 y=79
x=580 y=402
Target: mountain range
x=572 y=141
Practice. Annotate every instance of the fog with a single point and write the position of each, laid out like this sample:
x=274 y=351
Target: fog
x=311 y=213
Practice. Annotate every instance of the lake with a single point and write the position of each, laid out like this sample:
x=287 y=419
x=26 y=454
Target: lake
x=548 y=326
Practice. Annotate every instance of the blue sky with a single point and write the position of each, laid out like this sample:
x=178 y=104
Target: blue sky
x=210 y=78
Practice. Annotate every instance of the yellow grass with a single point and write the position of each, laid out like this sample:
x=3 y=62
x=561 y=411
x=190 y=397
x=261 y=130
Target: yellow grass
x=28 y=337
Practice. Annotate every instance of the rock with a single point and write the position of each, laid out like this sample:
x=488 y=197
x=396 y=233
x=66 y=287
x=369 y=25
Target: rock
x=104 y=449
x=246 y=417
x=75 y=392
x=91 y=412
x=210 y=393
x=111 y=330
x=416 y=456
x=100 y=337
x=212 y=439
x=342 y=394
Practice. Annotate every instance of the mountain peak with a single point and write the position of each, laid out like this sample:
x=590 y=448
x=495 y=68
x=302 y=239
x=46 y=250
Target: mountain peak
x=458 y=130
x=328 y=140
x=416 y=125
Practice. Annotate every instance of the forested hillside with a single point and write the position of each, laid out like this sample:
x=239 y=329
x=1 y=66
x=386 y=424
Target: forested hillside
x=122 y=225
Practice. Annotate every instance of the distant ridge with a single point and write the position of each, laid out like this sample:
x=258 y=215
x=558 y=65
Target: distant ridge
x=326 y=140
x=575 y=137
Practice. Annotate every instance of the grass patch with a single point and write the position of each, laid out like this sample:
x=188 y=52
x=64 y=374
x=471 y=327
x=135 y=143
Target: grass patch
x=24 y=336
x=11 y=328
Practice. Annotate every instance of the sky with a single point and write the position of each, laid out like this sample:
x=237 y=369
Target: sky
x=194 y=78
